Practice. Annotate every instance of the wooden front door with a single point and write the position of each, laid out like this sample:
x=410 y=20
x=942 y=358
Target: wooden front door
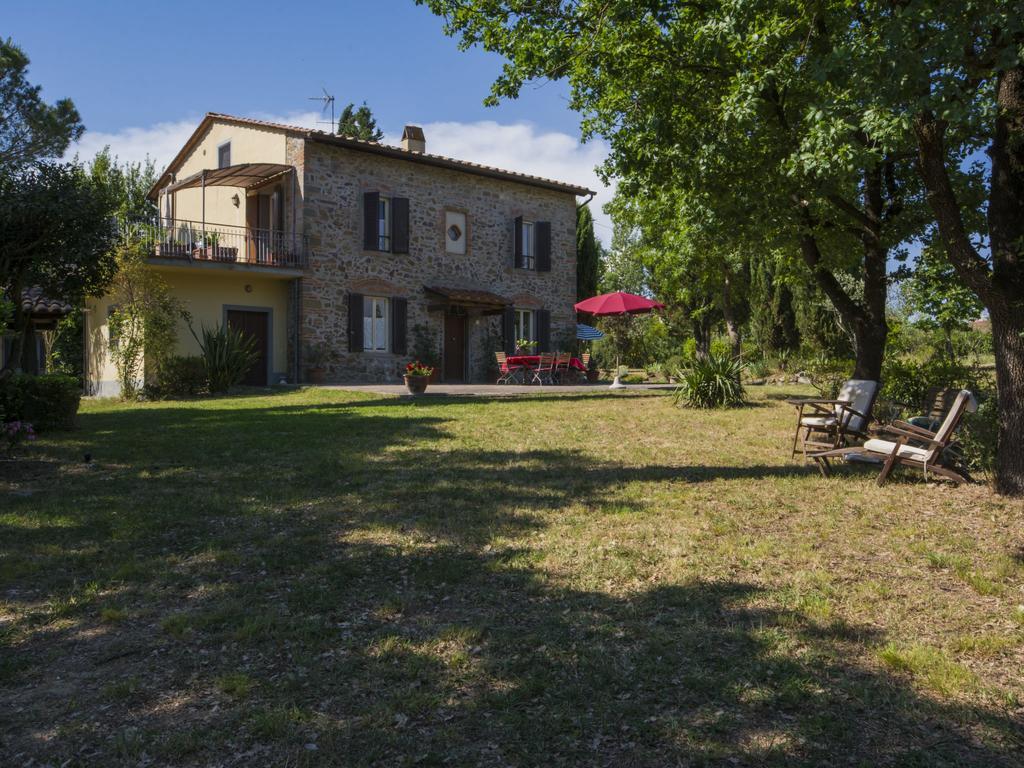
x=454 y=348
x=257 y=325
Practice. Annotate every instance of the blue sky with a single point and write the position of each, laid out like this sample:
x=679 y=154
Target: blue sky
x=142 y=74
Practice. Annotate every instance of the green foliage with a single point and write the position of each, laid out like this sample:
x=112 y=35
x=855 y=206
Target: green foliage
x=979 y=437
x=714 y=381
x=425 y=346
x=31 y=130
x=128 y=184
x=179 y=376
x=144 y=318
x=773 y=322
x=48 y=402
x=56 y=234
x=827 y=374
x=228 y=354
x=588 y=254
x=906 y=383
x=359 y=123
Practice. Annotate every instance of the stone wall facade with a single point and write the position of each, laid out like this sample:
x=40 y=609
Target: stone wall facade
x=333 y=182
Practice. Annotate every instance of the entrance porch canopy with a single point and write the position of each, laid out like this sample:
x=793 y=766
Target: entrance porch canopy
x=489 y=303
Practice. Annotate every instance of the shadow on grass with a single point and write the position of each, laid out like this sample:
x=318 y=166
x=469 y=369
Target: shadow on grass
x=322 y=575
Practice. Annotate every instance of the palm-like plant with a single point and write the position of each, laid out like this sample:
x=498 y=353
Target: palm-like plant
x=228 y=354
x=713 y=381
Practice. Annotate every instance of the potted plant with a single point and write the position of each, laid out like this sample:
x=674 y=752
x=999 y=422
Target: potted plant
x=593 y=374
x=525 y=346
x=416 y=377
x=318 y=355
x=425 y=349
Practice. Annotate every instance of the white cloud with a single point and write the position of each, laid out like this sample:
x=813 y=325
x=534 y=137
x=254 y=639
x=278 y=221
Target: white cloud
x=515 y=147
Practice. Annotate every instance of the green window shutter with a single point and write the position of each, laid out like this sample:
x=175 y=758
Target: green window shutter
x=543 y=318
x=517 y=250
x=371 y=219
x=399 y=225
x=355 y=322
x=542 y=236
x=399 y=321
x=508 y=330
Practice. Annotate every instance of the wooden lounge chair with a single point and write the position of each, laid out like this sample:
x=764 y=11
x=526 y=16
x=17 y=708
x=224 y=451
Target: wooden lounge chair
x=912 y=446
x=545 y=369
x=829 y=424
x=507 y=374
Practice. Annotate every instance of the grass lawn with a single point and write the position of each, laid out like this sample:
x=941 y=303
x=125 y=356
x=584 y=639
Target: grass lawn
x=325 y=578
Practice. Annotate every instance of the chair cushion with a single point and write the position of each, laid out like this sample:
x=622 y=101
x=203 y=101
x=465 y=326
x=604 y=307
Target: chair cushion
x=860 y=394
x=817 y=421
x=906 y=451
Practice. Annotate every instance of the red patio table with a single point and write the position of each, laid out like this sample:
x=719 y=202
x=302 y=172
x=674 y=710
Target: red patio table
x=532 y=361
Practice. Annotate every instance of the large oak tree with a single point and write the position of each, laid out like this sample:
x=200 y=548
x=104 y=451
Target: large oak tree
x=834 y=123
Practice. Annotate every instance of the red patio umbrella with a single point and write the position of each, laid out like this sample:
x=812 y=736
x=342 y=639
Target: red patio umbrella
x=617 y=303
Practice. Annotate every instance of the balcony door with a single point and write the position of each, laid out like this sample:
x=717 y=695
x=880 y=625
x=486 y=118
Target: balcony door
x=264 y=221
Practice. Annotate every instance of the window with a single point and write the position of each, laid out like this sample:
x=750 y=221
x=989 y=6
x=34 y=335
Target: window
x=384 y=224
x=224 y=155
x=454 y=232
x=375 y=324
x=526 y=257
x=524 y=325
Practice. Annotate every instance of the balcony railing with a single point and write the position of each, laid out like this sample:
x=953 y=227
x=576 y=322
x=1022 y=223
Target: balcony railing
x=223 y=243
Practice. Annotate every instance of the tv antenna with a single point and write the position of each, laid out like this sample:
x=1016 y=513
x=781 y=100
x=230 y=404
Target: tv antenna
x=327 y=100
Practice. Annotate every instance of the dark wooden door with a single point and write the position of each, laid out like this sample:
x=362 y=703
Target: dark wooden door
x=454 y=348
x=256 y=325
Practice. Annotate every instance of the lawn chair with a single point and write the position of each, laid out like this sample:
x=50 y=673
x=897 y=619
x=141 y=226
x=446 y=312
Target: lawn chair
x=912 y=446
x=545 y=369
x=562 y=360
x=828 y=424
x=937 y=403
x=508 y=374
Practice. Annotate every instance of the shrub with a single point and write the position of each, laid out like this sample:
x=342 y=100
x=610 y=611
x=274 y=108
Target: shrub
x=828 y=374
x=711 y=382
x=49 y=401
x=179 y=376
x=228 y=354
x=978 y=435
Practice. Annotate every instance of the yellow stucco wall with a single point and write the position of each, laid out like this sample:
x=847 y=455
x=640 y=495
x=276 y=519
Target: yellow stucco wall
x=205 y=292
x=248 y=145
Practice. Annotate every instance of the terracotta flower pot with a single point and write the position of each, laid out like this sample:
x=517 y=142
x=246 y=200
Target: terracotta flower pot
x=316 y=375
x=592 y=375
x=416 y=385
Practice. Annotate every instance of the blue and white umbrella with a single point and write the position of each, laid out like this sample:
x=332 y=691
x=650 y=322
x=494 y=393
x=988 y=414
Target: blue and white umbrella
x=588 y=332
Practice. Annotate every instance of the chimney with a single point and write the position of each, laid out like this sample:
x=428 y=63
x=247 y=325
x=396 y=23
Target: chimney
x=413 y=139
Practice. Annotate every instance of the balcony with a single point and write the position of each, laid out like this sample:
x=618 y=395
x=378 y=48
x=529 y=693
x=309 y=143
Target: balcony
x=194 y=241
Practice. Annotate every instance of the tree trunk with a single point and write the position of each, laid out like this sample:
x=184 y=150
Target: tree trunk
x=1008 y=340
x=1001 y=286
x=732 y=327
x=702 y=336
x=19 y=328
x=869 y=338
x=870 y=330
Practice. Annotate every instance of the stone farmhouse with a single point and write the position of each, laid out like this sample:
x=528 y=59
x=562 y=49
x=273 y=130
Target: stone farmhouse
x=374 y=254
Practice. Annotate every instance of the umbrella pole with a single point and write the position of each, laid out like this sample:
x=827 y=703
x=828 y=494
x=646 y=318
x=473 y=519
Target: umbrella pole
x=616 y=384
